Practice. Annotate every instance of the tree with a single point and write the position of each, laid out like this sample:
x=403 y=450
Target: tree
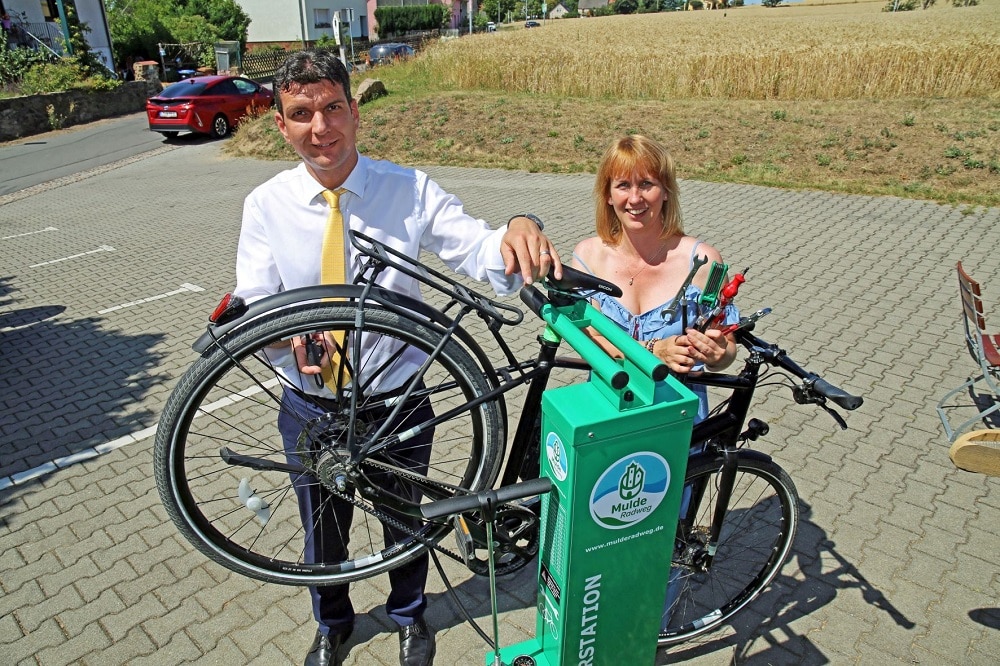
x=771 y=3
x=137 y=26
x=497 y=9
x=228 y=18
x=626 y=6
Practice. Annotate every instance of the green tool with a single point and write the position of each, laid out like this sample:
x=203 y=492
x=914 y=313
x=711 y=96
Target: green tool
x=716 y=279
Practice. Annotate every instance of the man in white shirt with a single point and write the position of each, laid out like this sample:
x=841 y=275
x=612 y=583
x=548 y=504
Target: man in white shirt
x=280 y=248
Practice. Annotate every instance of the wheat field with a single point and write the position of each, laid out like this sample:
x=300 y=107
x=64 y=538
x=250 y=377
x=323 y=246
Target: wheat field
x=814 y=52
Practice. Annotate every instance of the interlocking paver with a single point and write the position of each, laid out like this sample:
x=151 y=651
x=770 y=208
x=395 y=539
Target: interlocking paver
x=897 y=552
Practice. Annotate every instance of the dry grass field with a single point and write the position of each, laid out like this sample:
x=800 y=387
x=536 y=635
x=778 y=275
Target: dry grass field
x=840 y=97
x=846 y=51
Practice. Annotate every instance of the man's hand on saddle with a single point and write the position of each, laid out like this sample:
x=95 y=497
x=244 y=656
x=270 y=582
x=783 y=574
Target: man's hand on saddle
x=528 y=251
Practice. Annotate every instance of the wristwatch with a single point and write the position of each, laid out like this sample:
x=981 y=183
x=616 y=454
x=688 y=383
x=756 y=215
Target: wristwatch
x=533 y=218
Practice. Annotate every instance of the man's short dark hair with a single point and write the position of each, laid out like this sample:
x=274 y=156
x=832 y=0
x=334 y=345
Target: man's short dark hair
x=310 y=66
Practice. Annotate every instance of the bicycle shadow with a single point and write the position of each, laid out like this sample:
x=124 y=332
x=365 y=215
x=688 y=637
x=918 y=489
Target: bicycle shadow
x=807 y=582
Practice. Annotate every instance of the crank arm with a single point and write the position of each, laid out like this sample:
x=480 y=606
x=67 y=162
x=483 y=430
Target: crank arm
x=261 y=464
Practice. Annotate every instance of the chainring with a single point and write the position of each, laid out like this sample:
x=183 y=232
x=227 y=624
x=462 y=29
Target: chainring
x=517 y=535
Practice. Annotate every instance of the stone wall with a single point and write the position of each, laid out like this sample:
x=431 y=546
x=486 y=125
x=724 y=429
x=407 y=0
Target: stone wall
x=24 y=116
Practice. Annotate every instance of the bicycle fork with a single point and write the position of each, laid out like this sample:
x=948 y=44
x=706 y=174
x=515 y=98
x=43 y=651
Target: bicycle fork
x=727 y=480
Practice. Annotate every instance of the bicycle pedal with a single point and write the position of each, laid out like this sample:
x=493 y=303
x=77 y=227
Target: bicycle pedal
x=463 y=539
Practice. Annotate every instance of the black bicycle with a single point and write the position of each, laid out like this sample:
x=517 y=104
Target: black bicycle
x=226 y=480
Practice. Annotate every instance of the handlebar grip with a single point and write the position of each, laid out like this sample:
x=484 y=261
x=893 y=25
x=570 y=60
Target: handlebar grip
x=533 y=298
x=456 y=505
x=837 y=395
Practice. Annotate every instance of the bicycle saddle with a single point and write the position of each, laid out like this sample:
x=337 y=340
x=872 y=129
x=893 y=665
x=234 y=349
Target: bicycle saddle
x=576 y=280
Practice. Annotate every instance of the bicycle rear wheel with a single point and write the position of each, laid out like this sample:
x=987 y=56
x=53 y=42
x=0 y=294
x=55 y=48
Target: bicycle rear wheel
x=226 y=480
x=755 y=541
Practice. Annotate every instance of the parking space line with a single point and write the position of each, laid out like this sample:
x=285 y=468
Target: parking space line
x=183 y=288
x=103 y=248
x=30 y=233
x=133 y=438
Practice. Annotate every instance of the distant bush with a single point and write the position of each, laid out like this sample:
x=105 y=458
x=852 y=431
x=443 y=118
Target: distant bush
x=15 y=62
x=66 y=74
x=400 y=20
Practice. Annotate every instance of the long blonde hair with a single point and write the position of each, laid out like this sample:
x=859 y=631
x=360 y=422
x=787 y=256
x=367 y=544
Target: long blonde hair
x=636 y=154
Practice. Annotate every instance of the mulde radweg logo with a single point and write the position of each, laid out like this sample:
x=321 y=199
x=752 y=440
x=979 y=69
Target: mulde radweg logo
x=629 y=490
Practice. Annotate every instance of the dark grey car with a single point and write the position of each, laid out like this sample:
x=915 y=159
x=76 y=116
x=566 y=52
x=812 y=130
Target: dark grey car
x=385 y=54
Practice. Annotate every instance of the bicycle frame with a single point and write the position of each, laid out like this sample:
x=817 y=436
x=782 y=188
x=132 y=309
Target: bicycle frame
x=723 y=429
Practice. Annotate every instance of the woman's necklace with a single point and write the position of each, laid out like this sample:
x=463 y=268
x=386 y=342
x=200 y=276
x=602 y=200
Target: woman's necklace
x=646 y=265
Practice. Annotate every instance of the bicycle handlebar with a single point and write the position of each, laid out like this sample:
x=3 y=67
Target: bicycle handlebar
x=485 y=499
x=838 y=395
x=814 y=388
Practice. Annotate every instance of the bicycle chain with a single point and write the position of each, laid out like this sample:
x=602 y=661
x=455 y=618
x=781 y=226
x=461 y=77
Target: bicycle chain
x=473 y=564
x=382 y=516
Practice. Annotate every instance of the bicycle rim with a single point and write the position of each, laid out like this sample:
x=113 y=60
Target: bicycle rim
x=248 y=519
x=756 y=539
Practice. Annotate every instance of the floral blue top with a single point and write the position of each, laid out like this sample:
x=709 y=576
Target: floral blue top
x=656 y=324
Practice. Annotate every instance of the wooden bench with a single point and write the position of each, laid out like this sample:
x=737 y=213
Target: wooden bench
x=984 y=347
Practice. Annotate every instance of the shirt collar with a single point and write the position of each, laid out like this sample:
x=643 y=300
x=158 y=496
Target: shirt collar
x=312 y=190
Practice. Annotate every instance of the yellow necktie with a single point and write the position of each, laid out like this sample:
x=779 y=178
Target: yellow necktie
x=333 y=270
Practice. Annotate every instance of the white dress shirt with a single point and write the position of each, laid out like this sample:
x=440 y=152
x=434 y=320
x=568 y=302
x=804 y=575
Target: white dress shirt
x=281 y=242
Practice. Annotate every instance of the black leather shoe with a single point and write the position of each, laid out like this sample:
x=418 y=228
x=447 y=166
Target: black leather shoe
x=416 y=645
x=324 y=650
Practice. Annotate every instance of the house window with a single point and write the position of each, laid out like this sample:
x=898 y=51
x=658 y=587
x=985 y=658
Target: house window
x=50 y=10
x=321 y=18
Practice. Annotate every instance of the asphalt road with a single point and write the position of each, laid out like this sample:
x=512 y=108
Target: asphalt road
x=42 y=158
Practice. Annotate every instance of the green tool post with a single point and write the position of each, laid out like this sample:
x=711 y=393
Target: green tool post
x=615 y=448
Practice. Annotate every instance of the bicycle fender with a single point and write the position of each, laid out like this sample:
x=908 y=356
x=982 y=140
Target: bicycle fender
x=742 y=453
x=401 y=304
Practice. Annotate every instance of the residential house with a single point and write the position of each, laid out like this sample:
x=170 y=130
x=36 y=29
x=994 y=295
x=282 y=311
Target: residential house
x=587 y=7
x=559 y=11
x=34 y=25
x=297 y=22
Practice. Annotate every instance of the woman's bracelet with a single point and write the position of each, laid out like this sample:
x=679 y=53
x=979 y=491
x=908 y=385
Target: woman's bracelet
x=651 y=343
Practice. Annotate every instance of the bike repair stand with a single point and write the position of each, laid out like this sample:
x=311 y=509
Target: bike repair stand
x=616 y=450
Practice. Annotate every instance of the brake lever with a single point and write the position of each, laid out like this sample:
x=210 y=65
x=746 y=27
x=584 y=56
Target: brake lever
x=803 y=395
x=834 y=413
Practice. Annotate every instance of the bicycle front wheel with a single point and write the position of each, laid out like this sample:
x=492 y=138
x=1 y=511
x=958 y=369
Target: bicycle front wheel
x=755 y=542
x=232 y=486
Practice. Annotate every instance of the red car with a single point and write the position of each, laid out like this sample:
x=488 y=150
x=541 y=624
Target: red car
x=206 y=104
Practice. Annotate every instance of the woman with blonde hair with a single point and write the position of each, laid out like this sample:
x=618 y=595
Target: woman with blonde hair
x=641 y=247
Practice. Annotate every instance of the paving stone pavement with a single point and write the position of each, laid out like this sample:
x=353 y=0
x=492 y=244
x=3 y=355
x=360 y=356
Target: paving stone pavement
x=107 y=280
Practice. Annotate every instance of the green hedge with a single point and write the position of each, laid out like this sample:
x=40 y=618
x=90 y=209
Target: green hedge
x=399 y=20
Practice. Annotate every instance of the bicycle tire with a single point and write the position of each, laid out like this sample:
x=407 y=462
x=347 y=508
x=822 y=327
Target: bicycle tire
x=230 y=398
x=756 y=540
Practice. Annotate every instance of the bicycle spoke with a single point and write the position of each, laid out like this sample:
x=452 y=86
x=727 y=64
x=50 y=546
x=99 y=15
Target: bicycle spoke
x=232 y=401
x=754 y=542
